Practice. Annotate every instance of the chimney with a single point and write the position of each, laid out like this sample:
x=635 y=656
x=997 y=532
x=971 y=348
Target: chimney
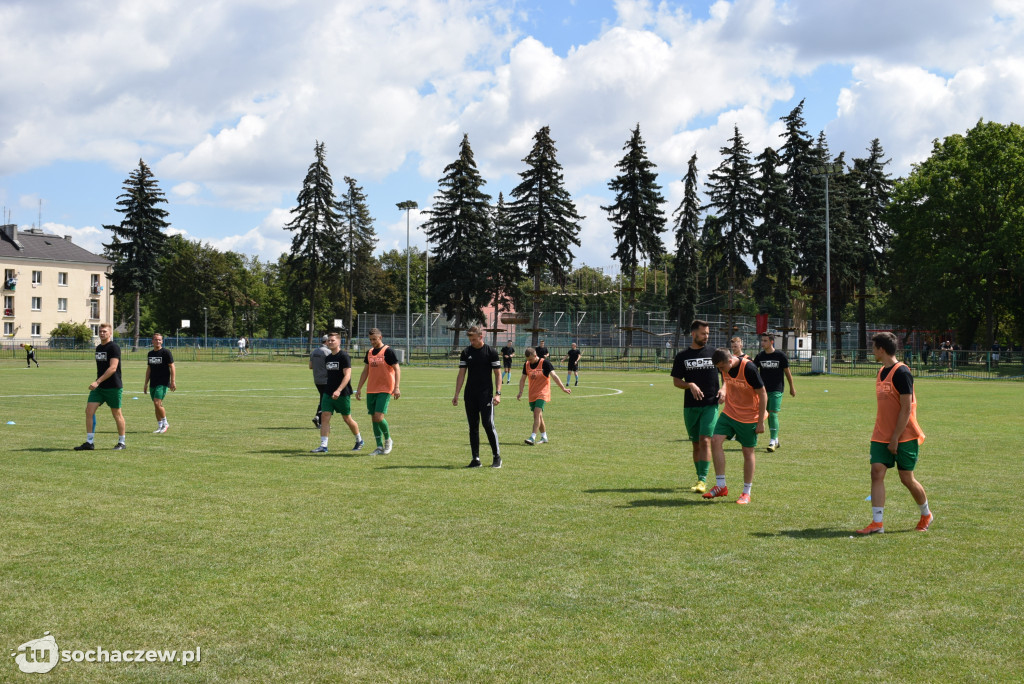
x=10 y=231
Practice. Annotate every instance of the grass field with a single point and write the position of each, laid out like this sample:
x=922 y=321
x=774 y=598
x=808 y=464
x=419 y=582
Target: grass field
x=585 y=559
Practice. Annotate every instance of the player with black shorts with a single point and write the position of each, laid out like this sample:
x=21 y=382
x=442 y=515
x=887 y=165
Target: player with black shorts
x=693 y=371
x=30 y=355
x=573 y=358
x=160 y=377
x=106 y=389
x=542 y=351
x=508 y=352
x=478 y=365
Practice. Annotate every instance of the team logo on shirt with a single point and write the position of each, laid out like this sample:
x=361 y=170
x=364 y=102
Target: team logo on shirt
x=767 y=363
x=101 y=356
x=156 y=360
x=699 y=364
x=333 y=365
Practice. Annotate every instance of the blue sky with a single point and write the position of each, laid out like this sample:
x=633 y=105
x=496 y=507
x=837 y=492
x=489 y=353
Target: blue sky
x=224 y=100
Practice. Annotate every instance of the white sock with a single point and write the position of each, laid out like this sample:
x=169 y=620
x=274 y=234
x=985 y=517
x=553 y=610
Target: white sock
x=120 y=439
x=90 y=436
x=876 y=513
x=543 y=435
x=533 y=436
x=746 y=487
x=359 y=437
x=323 y=441
x=720 y=480
x=924 y=508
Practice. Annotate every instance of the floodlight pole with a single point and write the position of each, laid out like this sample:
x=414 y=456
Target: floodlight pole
x=206 y=341
x=827 y=171
x=407 y=206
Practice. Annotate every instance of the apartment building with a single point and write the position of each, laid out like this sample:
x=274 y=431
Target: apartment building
x=47 y=279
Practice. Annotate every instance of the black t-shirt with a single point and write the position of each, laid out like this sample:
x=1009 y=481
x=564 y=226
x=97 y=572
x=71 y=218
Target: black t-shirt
x=542 y=352
x=105 y=353
x=694 y=365
x=390 y=357
x=506 y=353
x=336 y=365
x=159 y=367
x=749 y=372
x=574 y=356
x=479 y=364
x=773 y=370
x=545 y=367
x=903 y=381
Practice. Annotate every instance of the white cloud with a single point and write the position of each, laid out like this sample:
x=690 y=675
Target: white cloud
x=87 y=237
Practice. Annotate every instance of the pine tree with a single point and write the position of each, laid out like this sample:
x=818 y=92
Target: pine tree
x=774 y=246
x=459 y=229
x=636 y=216
x=360 y=240
x=505 y=263
x=317 y=244
x=732 y=191
x=139 y=239
x=545 y=218
x=684 y=290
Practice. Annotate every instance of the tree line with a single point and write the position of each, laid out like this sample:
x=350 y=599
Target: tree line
x=939 y=250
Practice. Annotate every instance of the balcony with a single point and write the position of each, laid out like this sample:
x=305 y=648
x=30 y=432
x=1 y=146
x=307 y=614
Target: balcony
x=8 y=313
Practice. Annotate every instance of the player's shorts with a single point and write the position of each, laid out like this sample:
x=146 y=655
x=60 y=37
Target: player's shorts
x=774 y=402
x=573 y=368
x=745 y=433
x=342 y=404
x=506 y=363
x=538 y=404
x=110 y=397
x=377 y=402
x=700 y=421
x=905 y=457
x=158 y=392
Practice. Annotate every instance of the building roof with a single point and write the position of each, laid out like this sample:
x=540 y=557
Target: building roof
x=35 y=244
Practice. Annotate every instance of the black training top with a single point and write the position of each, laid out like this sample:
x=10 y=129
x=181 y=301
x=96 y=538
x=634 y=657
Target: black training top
x=903 y=381
x=542 y=352
x=105 y=353
x=773 y=370
x=574 y=355
x=479 y=364
x=750 y=373
x=507 y=351
x=390 y=357
x=336 y=365
x=159 y=367
x=694 y=365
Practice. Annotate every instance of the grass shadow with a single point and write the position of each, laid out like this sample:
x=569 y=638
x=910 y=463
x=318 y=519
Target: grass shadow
x=47 y=450
x=814 y=533
x=662 y=503
x=420 y=467
x=644 y=490
x=282 y=427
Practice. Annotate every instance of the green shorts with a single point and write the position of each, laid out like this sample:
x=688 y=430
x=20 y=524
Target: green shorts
x=110 y=397
x=158 y=392
x=745 y=433
x=774 y=402
x=539 y=404
x=700 y=421
x=342 y=404
x=905 y=457
x=377 y=402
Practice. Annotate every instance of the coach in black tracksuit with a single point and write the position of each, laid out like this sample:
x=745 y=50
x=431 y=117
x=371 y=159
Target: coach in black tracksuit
x=480 y=369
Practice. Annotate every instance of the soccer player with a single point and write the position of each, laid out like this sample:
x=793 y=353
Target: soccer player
x=774 y=366
x=241 y=347
x=736 y=347
x=573 y=357
x=30 y=355
x=897 y=436
x=742 y=416
x=542 y=351
x=317 y=364
x=540 y=372
x=160 y=376
x=338 y=393
x=106 y=389
x=693 y=371
x=507 y=354
x=477 y=363
x=384 y=374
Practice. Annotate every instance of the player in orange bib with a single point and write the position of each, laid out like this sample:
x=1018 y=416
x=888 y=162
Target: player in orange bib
x=384 y=374
x=897 y=435
x=743 y=416
x=540 y=372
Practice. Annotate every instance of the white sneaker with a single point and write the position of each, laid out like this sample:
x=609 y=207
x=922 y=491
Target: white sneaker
x=542 y=440
x=773 y=445
x=162 y=429
x=377 y=452
x=387 y=446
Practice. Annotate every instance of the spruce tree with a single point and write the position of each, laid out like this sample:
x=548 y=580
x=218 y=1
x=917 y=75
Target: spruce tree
x=636 y=216
x=774 y=246
x=544 y=217
x=732 y=192
x=317 y=244
x=505 y=269
x=871 y=198
x=360 y=240
x=684 y=289
x=139 y=239
x=459 y=229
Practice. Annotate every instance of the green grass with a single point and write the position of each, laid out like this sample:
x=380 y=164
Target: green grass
x=585 y=559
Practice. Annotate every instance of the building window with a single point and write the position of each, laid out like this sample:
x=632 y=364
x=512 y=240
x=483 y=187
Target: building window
x=10 y=279
x=62 y=279
x=94 y=287
x=37 y=330
x=37 y=303
x=37 y=277
x=8 y=329
x=94 y=308
x=62 y=304
x=95 y=330
x=8 y=305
